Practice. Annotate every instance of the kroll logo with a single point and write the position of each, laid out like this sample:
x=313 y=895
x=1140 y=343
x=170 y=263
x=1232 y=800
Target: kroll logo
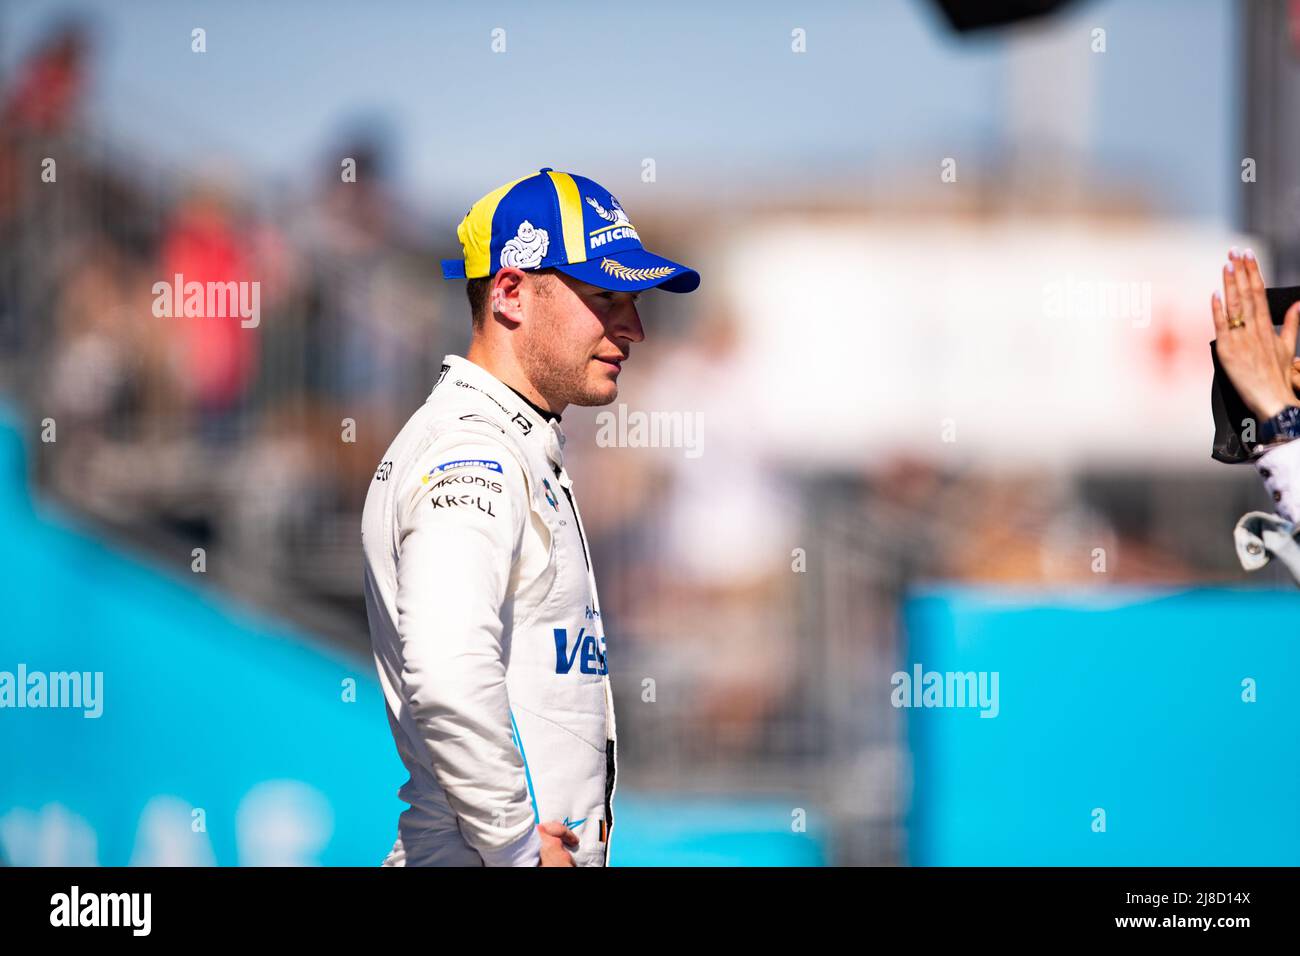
x=463 y=501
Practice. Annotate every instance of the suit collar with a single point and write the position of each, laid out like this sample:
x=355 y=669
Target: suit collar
x=524 y=419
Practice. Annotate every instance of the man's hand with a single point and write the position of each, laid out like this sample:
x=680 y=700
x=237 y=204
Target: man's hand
x=1259 y=362
x=555 y=835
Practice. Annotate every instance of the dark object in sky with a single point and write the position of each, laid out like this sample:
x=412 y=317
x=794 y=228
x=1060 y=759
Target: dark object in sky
x=965 y=16
x=1226 y=405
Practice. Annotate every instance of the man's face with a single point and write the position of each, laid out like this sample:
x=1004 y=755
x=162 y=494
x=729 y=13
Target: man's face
x=576 y=338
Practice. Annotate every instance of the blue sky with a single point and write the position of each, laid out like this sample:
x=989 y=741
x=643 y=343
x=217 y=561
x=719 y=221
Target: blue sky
x=710 y=91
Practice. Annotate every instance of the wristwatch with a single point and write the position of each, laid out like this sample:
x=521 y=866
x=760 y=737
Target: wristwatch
x=1281 y=428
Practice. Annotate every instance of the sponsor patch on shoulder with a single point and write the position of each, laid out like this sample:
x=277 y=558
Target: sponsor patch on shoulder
x=462 y=463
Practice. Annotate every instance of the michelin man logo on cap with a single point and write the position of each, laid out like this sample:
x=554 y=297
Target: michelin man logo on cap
x=567 y=222
x=617 y=216
x=527 y=249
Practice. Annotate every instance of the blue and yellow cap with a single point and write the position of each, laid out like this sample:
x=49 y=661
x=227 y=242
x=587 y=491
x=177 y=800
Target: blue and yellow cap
x=568 y=222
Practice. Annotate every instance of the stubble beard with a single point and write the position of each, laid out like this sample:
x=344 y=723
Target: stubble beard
x=559 y=376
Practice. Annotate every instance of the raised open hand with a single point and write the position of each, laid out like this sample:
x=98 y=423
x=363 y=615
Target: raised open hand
x=1259 y=361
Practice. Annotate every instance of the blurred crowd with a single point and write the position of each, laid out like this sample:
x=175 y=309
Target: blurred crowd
x=212 y=427
x=175 y=433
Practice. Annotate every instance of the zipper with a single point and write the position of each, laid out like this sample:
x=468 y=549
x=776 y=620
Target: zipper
x=582 y=536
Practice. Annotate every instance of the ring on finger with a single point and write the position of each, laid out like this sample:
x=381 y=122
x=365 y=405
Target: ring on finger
x=1236 y=322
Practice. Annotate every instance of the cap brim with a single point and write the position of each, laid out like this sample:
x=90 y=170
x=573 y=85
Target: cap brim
x=632 y=271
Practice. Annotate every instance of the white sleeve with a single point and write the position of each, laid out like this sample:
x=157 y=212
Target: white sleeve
x=461 y=530
x=1280 y=469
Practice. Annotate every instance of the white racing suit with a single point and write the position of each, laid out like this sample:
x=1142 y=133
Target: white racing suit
x=1260 y=536
x=486 y=632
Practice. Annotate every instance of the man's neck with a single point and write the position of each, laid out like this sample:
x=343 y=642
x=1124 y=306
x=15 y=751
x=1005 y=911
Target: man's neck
x=544 y=412
x=501 y=364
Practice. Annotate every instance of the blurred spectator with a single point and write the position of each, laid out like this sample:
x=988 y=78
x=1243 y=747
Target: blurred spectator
x=217 y=355
x=39 y=109
x=45 y=96
x=372 y=319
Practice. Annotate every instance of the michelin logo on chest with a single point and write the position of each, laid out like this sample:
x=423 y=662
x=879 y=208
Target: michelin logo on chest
x=437 y=470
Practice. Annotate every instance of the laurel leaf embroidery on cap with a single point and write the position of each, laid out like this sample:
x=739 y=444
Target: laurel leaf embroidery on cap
x=628 y=274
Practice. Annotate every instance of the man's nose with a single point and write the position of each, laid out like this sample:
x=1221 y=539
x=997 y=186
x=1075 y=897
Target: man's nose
x=629 y=324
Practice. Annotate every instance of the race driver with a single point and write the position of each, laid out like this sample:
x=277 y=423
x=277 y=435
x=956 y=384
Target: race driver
x=484 y=619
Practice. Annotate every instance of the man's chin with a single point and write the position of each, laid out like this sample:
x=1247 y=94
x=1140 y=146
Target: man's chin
x=599 y=394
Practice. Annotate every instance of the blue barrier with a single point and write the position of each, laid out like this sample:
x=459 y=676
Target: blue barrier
x=1123 y=709
x=672 y=830
x=205 y=706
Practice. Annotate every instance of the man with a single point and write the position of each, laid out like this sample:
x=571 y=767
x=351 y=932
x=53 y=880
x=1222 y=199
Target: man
x=1263 y=369
x=482 y=603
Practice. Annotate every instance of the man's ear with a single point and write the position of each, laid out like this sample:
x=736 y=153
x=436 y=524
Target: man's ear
x=503 y=297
